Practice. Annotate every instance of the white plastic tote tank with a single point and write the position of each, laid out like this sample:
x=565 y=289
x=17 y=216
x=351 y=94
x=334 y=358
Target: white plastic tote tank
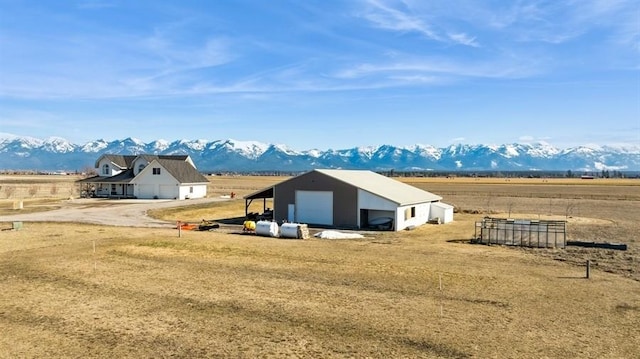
x=267 y=228
x=289 y=230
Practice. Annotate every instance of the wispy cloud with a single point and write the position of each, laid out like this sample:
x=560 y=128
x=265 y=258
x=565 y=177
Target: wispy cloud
x=558 y=22
x=445 y=67
x=404 y=18
x=464 y=39
x=387 y=17
x=198 y=54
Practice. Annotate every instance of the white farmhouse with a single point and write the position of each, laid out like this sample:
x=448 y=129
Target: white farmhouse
x=146 y=176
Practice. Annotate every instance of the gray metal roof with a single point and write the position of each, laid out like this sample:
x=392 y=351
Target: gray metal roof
x=382 y=186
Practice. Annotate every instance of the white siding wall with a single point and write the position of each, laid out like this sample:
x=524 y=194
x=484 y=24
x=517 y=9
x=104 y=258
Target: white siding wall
x=443 y=211
x=422 y=211
x=367 y=200
x=164 y=179
x=137 y=163
x=199 y=191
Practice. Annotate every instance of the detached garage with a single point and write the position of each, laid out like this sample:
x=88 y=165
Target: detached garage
x=352 y=199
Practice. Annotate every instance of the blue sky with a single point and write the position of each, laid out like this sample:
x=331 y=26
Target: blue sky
x=323 y=74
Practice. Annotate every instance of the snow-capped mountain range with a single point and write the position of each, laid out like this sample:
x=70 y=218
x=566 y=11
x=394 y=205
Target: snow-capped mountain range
x=55 y=154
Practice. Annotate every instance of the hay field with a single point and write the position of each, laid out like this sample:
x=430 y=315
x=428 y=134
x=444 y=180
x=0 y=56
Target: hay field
x=37 y=186
x=424 y=293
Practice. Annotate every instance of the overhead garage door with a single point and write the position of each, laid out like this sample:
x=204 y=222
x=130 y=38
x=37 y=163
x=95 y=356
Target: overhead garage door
x=314 y=207
x=145 y=190
x=168 y=191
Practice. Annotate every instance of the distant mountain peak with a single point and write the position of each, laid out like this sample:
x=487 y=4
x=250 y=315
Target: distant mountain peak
x=55 y=153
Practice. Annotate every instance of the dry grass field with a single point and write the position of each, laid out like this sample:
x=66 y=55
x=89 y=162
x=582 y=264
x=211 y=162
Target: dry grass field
x=426 y=293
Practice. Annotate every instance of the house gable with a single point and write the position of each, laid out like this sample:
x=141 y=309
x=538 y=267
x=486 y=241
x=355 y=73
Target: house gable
x=111 y=165
x=139 y=164
x=154 y=173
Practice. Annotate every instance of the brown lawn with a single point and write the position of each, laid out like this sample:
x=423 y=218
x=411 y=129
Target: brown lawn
x=421 y=293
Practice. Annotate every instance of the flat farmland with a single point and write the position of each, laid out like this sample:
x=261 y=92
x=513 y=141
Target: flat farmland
x=80 y=290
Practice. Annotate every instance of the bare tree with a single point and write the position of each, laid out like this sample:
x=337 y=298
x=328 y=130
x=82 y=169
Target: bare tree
x=33 y=190
x=9 y=191
x=89 y=172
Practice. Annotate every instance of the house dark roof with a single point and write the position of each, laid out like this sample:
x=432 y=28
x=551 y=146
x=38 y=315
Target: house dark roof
x=122 y=177
x=150 y=158
x=125 y=161
x=177 y=166
x=182 y=171
x=122 y=161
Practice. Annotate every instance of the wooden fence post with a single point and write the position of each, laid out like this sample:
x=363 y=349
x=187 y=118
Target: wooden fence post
x=588 y=268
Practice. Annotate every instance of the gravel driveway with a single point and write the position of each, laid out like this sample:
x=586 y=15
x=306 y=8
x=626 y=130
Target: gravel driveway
x=124 y=212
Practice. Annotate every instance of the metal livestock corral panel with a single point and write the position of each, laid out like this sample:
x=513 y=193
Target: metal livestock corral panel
x=521 y=232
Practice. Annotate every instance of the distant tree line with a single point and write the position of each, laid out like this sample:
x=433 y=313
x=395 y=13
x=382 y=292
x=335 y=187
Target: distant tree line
x=390 y=173
x=514 y=174
x=476 y=174
x=605 y=174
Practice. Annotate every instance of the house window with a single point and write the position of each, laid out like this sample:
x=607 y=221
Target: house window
x=105 y=169
x=141 y=167
x=156 y=170
x=190 y=189
x=113 y=189
x=409 y=213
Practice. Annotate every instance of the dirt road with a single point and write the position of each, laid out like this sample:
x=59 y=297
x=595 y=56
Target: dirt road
x=129 y=213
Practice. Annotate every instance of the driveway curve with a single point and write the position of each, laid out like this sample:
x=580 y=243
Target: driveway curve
x=124 y=212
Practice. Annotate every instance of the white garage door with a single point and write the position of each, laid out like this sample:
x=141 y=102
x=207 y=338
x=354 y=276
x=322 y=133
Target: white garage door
x=168 y=191
x=314 y=207
x=145 y=191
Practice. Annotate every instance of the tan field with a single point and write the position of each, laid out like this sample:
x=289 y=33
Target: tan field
x=78 y=290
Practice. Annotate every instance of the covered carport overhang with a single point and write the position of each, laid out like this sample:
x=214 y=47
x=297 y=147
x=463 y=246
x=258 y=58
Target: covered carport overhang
x=264 y=194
